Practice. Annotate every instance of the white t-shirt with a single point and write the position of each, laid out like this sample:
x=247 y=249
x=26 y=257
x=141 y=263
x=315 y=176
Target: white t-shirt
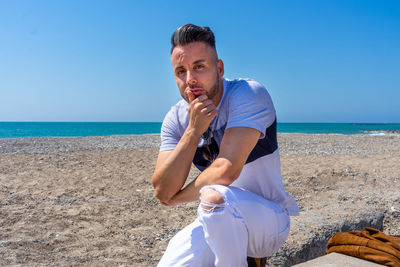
x=245 y=103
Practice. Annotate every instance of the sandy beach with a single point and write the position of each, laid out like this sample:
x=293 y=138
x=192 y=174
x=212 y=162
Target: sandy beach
x=88 y=201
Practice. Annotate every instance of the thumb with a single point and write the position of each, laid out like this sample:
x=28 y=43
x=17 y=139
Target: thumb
x=191 y=96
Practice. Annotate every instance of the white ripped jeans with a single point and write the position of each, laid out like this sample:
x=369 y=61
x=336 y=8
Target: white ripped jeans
x=244 y=225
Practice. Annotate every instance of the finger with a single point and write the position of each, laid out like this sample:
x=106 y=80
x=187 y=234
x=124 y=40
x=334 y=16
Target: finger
x=208 y=102
x=213 y=113
x=208 y=109
x=202 y=98
x=191 y=96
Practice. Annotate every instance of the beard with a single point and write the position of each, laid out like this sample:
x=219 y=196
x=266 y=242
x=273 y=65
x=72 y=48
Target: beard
x=214 y=90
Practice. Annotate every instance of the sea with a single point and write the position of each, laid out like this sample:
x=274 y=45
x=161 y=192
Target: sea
x=64 y=129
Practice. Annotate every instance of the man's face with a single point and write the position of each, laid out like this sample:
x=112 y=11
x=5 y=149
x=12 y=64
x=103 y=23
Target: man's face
x=197 y=68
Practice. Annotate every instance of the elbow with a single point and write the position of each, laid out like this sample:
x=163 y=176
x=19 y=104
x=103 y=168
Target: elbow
x=227 y=173
x=154 y=180
x=159 y=193
x=161 y=196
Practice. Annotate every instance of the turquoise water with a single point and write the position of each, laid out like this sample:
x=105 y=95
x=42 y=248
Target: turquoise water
x=339 y=128
x=52 y=129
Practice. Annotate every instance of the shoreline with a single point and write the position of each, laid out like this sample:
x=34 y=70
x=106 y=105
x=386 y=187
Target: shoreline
x=89 y=200
x=363 y=132
x=344 y=132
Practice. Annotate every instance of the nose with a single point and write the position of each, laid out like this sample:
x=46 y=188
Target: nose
x=190 y=78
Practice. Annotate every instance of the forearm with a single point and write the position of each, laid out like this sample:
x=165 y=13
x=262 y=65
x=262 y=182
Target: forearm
x=170 y=177
x=173 y=167
x=218 y=173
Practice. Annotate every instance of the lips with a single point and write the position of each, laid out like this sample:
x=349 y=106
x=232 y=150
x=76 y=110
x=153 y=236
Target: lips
x=196 y=91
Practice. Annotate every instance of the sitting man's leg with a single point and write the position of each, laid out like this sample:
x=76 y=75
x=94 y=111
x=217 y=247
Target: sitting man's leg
x=238 y=223
x=188 y=248
x=225 y=231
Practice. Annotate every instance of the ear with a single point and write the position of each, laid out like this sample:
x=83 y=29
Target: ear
x=220 y=66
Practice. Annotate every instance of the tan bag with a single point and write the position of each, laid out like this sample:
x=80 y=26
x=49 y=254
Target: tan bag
x=369 y=244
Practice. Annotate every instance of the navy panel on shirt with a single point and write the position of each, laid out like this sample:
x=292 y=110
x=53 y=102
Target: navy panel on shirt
x=264 y=147
x=200 y=161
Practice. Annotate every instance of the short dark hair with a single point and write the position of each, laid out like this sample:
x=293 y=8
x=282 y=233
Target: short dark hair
x=190 y=33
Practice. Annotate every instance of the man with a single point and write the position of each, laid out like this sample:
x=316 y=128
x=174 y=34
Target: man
x=227 y=128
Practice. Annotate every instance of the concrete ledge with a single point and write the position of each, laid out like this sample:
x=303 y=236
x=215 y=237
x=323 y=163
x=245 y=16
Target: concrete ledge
x=337 y=260
x=310 y=233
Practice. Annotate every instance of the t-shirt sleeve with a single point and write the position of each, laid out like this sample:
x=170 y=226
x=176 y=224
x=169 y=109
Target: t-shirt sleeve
x=250 y=105
x=169 y=131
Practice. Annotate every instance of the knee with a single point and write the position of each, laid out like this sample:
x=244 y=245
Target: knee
x=211 y=196
x=211 y=199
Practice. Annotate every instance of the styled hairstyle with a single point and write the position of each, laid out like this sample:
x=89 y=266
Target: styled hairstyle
x=190 y=33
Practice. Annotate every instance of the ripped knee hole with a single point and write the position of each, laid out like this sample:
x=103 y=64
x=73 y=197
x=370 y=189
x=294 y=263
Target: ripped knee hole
x=211 y=200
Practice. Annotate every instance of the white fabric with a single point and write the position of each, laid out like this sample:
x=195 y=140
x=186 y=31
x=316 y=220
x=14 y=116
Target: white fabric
x=246 y=225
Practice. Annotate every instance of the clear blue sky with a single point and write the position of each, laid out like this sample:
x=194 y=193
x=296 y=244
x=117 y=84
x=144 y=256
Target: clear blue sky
x=321 y=60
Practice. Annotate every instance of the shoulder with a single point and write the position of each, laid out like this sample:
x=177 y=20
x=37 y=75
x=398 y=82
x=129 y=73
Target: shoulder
x=178 y=112
x=249 y=105
x=244 y=89
x=244 y=83
x=174 y=125
x=177 y=118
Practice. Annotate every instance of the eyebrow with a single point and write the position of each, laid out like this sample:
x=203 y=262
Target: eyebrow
x=199 y=61
x=196 y=62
